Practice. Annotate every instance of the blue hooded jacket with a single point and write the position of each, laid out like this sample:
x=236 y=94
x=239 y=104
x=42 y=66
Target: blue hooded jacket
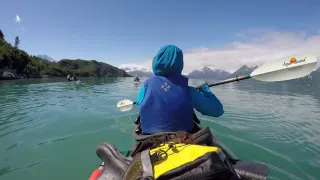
x=166 y=101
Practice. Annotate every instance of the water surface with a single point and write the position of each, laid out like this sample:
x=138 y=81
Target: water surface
x=49 y=129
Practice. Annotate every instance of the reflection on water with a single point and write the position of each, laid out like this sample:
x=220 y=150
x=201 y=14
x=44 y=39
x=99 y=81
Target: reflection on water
x=50 y=126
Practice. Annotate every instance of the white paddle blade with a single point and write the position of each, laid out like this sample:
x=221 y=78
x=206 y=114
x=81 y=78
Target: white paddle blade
x=286 y=68
x=125 y=105
x=126 y=108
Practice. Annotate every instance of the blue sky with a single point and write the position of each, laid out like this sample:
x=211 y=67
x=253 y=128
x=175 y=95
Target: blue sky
x=120 y=32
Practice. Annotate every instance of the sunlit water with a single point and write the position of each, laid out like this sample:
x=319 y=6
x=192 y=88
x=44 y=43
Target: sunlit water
x=49 y=129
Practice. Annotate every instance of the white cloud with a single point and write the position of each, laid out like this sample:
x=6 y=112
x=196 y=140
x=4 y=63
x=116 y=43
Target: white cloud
x=18 y=20
x=258 y=46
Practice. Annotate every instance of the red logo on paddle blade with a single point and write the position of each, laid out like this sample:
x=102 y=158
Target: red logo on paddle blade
x=293 y=60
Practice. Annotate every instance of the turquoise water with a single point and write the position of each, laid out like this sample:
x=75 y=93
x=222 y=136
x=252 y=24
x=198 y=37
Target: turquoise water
x=50 y=129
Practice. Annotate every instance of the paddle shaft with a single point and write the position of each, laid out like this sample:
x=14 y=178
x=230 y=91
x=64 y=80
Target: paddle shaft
x=228 y=81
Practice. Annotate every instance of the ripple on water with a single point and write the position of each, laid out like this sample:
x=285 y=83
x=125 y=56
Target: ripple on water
x=10 y=132
x=12 y=146
x=7 y=169
x=284 y=172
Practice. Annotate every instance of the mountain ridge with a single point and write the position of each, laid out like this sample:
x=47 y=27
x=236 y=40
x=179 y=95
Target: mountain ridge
x=206 y=72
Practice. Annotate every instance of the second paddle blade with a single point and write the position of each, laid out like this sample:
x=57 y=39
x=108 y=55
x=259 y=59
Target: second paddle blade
x=286 y=68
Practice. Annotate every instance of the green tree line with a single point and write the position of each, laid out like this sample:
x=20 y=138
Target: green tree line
x=25 y=65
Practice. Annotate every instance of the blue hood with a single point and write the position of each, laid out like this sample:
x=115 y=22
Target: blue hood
x=168 y=61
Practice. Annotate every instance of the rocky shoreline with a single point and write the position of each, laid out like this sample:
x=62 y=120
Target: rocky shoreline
x=10 y=74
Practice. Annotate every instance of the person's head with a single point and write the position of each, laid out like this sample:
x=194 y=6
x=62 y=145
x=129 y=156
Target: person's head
x=168 y=61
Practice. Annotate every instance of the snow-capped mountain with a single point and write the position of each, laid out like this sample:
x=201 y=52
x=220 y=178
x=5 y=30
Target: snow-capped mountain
x=129 y=69
x=207 y=72
x=218 y=74
x=137 y=71
x=203 y=73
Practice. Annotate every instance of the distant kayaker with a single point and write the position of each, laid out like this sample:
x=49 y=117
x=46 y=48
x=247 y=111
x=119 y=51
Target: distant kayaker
x=74 y=77
x=69 y=77
x=136 y=79
x=166 y=101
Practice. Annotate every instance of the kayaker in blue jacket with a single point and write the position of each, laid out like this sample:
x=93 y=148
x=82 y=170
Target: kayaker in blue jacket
x=166 y=101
